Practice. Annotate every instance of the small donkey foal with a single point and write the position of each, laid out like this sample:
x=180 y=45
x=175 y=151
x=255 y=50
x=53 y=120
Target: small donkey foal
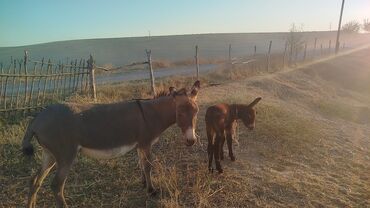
x=220 y=120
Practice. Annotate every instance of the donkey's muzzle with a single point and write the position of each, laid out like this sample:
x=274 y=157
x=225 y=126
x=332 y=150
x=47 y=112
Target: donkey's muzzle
x=190 y=138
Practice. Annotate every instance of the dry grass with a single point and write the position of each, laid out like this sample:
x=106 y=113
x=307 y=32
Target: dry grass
x=309 y=148
x=161 y=63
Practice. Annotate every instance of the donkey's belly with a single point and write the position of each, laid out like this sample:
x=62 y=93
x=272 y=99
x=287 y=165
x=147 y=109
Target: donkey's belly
x=107 y=153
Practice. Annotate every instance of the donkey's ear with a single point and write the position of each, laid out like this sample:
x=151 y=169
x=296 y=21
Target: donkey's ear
x=255 y=102
x=171 y=91
x=195 y=89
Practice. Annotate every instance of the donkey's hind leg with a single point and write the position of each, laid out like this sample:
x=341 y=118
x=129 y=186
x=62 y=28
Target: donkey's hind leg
x=47 y=164
x=211 y=146
x=217 y=152
x=64 y=165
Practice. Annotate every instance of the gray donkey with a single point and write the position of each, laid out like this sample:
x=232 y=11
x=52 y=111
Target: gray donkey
x=105 y=131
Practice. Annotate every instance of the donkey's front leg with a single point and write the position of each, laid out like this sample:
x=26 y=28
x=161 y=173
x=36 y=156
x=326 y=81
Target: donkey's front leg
x=57 y=185
x=229 y=139
x=146 y=166
x=143 y=180
x=64 y=164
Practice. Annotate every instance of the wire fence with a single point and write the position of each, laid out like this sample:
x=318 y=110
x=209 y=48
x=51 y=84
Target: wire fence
x=269 y=59
x=27 y=85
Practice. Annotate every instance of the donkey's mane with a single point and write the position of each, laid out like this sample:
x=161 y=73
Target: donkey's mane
x=162 y=93
x=158 y=95
x=165 y=93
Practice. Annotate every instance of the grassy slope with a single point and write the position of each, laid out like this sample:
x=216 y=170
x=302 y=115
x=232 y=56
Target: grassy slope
x=310 y=148
x=120 y=51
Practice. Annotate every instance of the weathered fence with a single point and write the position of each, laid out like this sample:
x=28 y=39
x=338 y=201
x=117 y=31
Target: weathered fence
x=27 y=85
x=150 y=66
x=292 y=54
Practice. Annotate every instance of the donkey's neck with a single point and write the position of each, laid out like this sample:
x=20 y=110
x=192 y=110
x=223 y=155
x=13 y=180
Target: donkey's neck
x=160 y=114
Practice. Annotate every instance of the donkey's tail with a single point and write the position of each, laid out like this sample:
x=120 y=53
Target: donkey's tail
x=27 y=147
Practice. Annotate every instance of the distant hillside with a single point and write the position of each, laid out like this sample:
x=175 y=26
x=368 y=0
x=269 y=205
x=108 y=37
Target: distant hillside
x=119 y=51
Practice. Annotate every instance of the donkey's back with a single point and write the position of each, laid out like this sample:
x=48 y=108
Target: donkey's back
x=101 y=126
x=217 y=117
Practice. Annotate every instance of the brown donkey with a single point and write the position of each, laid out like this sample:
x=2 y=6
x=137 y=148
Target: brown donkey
x=220 y=120
x=105 y=131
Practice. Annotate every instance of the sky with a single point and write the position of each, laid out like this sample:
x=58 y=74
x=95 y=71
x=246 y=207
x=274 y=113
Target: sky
x=26 y=22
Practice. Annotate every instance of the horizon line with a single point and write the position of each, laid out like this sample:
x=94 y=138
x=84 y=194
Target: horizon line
x=151 y=36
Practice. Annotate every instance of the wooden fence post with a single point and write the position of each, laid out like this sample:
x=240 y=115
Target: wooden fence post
x=291 y=46
x=305 y=52
x=230 y=61
x=60 y=81
x=197 y=61
x=314 y=49
x=296 y=51
x=83 y=75
x=47 y=71
x=26 y=78
x=91 y=64
x=32 y=85
x=284 y=56
x=268 y=56
x=329 y=46
x=54 y=77
x=39 y=83
x=13 y=83
x=254 y=65
x=1 y=80
x=321 y=52
x=149 y=56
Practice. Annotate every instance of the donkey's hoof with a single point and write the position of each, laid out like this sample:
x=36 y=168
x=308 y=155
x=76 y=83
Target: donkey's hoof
x=219 y=169
x=143 y=183
x=232 y=158
x=210 y=170
x=152 y=192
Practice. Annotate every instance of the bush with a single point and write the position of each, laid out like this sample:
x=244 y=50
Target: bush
x=295 y=42
x=366 y=25
x=351 y=27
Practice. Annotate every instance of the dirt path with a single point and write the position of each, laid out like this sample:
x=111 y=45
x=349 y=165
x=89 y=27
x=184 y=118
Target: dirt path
x=311 y=147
